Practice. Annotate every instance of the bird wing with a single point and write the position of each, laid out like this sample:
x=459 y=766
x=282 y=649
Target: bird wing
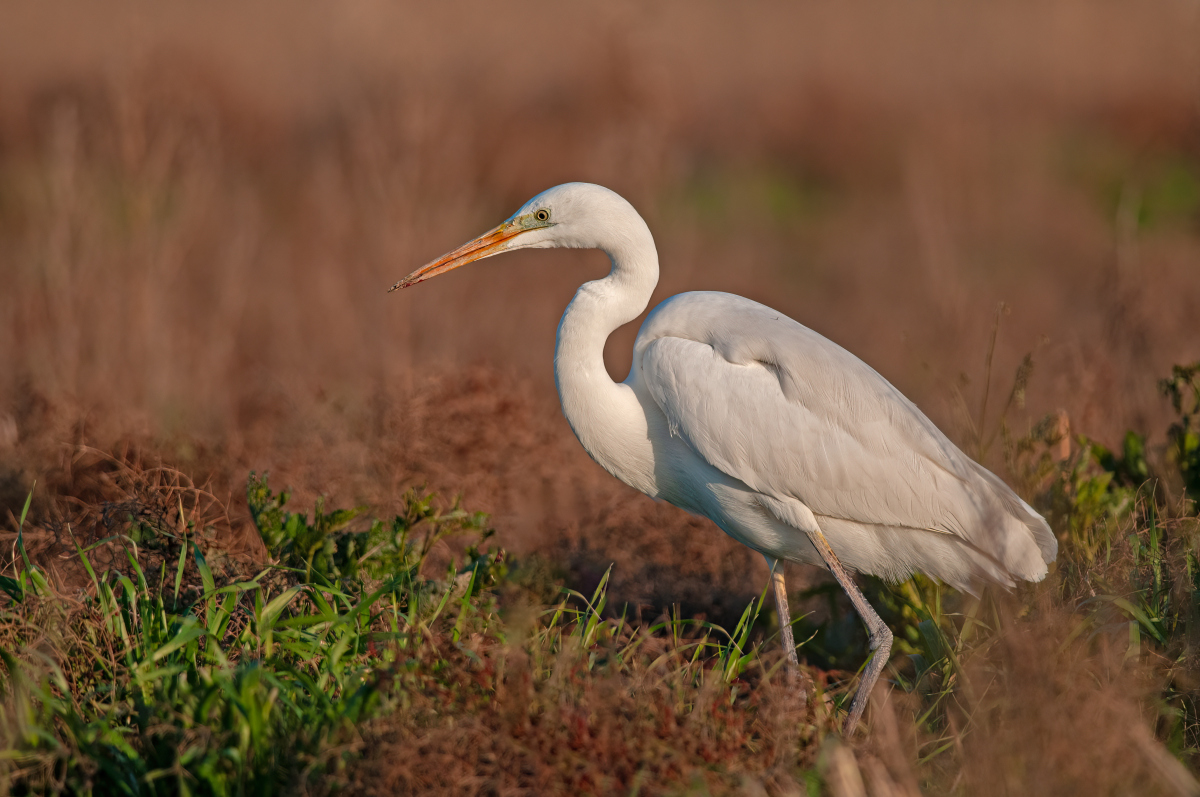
x=795 y=416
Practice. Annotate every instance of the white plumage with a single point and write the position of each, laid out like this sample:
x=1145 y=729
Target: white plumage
x=798 y=419
x=788 y=442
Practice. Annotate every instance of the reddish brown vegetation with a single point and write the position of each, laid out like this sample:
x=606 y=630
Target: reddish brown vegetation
x=495 y=730
x=199 y=216
x=1054 y=721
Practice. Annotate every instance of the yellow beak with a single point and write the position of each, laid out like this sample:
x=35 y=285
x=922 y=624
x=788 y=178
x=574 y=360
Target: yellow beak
x=486 y=245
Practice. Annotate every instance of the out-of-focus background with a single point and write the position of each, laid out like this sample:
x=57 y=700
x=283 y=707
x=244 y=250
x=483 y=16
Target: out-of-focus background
x=201 y=208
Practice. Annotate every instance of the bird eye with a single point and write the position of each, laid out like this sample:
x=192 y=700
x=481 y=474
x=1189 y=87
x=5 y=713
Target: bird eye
x=542 y=215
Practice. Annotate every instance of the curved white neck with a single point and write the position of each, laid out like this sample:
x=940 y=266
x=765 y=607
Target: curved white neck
x=604 y=415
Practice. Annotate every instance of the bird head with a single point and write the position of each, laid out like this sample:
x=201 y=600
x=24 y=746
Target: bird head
x=573 y=215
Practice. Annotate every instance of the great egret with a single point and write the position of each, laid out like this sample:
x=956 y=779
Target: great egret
x=785 y=440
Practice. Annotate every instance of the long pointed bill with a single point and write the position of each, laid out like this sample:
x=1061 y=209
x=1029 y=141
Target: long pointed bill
x=486 y=245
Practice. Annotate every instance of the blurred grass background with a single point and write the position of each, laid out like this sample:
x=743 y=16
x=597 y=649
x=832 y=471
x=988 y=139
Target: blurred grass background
x=201 y=209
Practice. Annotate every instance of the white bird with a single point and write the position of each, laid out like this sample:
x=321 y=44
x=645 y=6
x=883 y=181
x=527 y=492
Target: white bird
x=788 y=442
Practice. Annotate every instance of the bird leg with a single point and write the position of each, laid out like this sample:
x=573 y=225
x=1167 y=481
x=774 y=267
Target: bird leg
x=785 y=619
x=879 y=635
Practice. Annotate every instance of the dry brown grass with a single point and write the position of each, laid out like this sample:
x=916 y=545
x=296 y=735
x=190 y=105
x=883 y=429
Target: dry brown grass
x=644 y=728
x=1029 y=691
x=200 y=210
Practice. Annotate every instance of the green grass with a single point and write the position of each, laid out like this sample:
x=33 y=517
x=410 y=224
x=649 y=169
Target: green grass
x=262 y=684
x=121 y=690
x=165 y=674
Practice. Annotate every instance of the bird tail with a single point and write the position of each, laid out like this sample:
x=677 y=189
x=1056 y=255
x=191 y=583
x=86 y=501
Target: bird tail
x=1027 y=526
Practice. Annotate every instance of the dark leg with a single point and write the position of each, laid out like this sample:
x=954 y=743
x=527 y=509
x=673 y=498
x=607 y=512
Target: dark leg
x=879 y=634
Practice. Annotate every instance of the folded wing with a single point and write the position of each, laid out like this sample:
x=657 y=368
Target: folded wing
x=796 y=417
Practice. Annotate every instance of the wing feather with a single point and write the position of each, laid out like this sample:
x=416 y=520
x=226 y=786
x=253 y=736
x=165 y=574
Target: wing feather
x=794 y=416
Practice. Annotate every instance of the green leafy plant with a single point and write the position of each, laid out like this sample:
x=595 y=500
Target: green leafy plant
x=329 y=550
x=30 y=580
x=1183 y=450
x=245 y=690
